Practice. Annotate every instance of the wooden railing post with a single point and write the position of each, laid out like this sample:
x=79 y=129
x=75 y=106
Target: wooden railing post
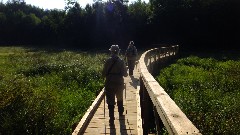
x=141 y=94
x=144 y=106
x=150 y=64
x=147 y=113
x=155 y=66
x=158 y=122
x=159 y=59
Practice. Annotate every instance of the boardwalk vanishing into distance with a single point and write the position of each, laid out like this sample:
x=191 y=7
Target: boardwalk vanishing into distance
x=148 y=108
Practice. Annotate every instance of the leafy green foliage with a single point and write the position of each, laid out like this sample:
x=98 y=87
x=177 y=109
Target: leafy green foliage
x=46 y=93
x=195 y=24
x=207 y=91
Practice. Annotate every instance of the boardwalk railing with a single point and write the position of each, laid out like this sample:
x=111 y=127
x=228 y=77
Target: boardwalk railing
x=158 y=110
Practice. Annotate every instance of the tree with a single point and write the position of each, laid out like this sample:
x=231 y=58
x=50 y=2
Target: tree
x=31 y=20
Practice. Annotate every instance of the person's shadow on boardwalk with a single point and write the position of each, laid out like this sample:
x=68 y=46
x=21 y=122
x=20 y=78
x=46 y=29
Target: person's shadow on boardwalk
x=134 y=82
x=123 y=130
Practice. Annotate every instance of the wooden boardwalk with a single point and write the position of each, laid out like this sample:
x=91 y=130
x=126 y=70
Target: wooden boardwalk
x=155 y=102
x=130 y=123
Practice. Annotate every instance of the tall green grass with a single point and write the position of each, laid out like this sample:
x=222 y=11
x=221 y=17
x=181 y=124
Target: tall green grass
x=208 y=92
x=46 y=93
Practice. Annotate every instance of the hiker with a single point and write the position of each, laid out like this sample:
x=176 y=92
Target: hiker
x=114 y=69
x=131 y=55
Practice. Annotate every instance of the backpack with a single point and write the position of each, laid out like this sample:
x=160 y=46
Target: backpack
x=131 y=51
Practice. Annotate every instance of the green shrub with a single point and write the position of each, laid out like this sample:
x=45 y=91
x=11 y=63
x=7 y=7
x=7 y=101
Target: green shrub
x=46 y=93
x=207 y=91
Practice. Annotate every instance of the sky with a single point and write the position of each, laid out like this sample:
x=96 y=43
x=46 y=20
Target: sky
x=58 y=4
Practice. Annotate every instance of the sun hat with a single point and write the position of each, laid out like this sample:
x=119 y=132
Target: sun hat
x=131 y=43
x=114 y=48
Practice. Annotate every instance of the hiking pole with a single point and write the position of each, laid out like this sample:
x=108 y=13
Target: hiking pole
x=104 y=102
x=125 y=90
x=104 y=93
x=125 y=94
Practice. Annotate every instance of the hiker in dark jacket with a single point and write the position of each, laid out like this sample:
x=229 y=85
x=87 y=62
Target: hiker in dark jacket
x=114 y=70
x=131 y=55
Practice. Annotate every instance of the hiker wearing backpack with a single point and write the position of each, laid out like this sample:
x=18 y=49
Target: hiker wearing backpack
x=114 y=70
x=131 y=55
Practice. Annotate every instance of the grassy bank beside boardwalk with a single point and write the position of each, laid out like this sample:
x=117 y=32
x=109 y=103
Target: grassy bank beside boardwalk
x=208 y=92
x=45 y=92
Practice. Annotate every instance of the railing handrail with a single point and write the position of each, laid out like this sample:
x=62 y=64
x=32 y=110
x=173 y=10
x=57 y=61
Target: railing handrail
x=175 y=121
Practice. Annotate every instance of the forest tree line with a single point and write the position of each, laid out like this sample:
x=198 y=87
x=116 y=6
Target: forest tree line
x=194 y=24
